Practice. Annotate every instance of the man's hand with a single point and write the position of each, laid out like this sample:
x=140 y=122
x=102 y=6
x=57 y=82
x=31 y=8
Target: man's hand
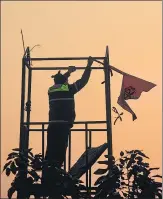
x=90 y=61
x=71 y=69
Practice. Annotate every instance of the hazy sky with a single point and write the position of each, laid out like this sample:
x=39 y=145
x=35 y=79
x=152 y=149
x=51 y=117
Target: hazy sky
x=132 y=30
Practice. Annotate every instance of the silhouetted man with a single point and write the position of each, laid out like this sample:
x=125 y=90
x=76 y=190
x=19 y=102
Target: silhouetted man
x=62 y=108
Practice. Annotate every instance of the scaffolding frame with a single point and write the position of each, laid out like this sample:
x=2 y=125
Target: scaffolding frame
x=24 y=135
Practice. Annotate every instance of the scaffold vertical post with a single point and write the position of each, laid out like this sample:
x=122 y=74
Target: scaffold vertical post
x=69 y=152
x=108 y=101
x=28 y=95
x=86 y=147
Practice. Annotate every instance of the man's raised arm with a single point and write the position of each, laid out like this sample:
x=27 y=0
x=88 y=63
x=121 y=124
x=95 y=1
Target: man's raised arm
x=79 y=84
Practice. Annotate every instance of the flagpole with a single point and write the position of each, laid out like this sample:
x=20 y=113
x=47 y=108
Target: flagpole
x=112 y=67
x=118 y=71
x=108 y=101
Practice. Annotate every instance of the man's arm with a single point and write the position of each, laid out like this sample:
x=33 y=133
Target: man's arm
x=79 y=84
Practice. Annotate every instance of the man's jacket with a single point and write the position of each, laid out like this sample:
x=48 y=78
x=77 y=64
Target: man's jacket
x=61 y=98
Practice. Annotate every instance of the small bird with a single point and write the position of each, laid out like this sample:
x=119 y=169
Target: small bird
x=119 y=115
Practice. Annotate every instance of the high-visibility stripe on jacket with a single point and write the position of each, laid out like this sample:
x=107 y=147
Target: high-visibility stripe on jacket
x=62 y=87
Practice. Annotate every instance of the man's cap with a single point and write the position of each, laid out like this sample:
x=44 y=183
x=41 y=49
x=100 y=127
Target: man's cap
x=60 y=77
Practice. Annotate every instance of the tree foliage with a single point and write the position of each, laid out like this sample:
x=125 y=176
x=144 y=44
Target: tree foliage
x=26 y=167
x=129 y=177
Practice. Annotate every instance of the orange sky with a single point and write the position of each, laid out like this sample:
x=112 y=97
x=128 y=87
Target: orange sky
x=132 y=30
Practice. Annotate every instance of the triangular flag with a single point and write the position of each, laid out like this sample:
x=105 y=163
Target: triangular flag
x=132 y=87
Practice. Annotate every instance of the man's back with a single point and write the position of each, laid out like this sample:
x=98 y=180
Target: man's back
x=61 y=102
x=61 y=96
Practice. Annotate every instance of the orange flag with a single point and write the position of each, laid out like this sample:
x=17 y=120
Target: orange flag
x=132 y=87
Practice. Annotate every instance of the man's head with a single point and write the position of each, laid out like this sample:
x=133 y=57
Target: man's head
x=63 y=78
x=60 y=78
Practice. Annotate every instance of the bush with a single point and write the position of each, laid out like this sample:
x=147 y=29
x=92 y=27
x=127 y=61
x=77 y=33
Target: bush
x=129 y=177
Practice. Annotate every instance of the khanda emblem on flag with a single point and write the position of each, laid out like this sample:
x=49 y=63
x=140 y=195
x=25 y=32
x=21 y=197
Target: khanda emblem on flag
x=129 y=93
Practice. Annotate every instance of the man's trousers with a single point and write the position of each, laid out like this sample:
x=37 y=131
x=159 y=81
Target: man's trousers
x=57 y=142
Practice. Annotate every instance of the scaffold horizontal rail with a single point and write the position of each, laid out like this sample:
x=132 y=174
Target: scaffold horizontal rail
x=64 y=68
x=72 y=130
x=62 y=58
x=76 y=122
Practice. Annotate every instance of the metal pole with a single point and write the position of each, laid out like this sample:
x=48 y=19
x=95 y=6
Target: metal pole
x=69 y=153
x=64 y=58
x=86 y=146
x=90 y=145
x=43 y=154
x=96 y=130
x=65 y=163
x=76 y=122
x=21 y=142
x=22 y=129
x=28 y=97
x=63 y=68
x=108 y=101
x=43 y=142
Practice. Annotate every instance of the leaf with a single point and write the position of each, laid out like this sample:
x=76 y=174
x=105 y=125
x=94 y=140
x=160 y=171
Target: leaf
x=142 y=154
x=122 y=161
x=110 y=157
x=82 y=187
x=28 y=150
x=11 y=192
x=157 y=168
x=135 y=169
x=125 y=194
x=158 y=184
x=129 y=164
x=13 y=154
x=80 y=181
x=129 y=151
x=139 y=159
x=99 y=180
x=115 y=170
x=34 y=175
x=16 y=149
x=121 y=153
x=100 y=171
x=6 y=165
x=31 y=158
x=13 y=168
x=38 y=155
x=31 y=154
x=159 y=195
x=129 y=174
x=137 y=151
x=8 y=171
x=133 y=155
x=123 y=183
x=157 y=176
x=121 y=166
x=17 y=161
x=145 y=164
x=103 y=162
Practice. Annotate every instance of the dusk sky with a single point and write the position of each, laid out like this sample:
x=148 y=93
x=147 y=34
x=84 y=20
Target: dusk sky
x=133 y=32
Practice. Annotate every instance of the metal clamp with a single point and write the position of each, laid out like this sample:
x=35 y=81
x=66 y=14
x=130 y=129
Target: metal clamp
x=28 y=106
